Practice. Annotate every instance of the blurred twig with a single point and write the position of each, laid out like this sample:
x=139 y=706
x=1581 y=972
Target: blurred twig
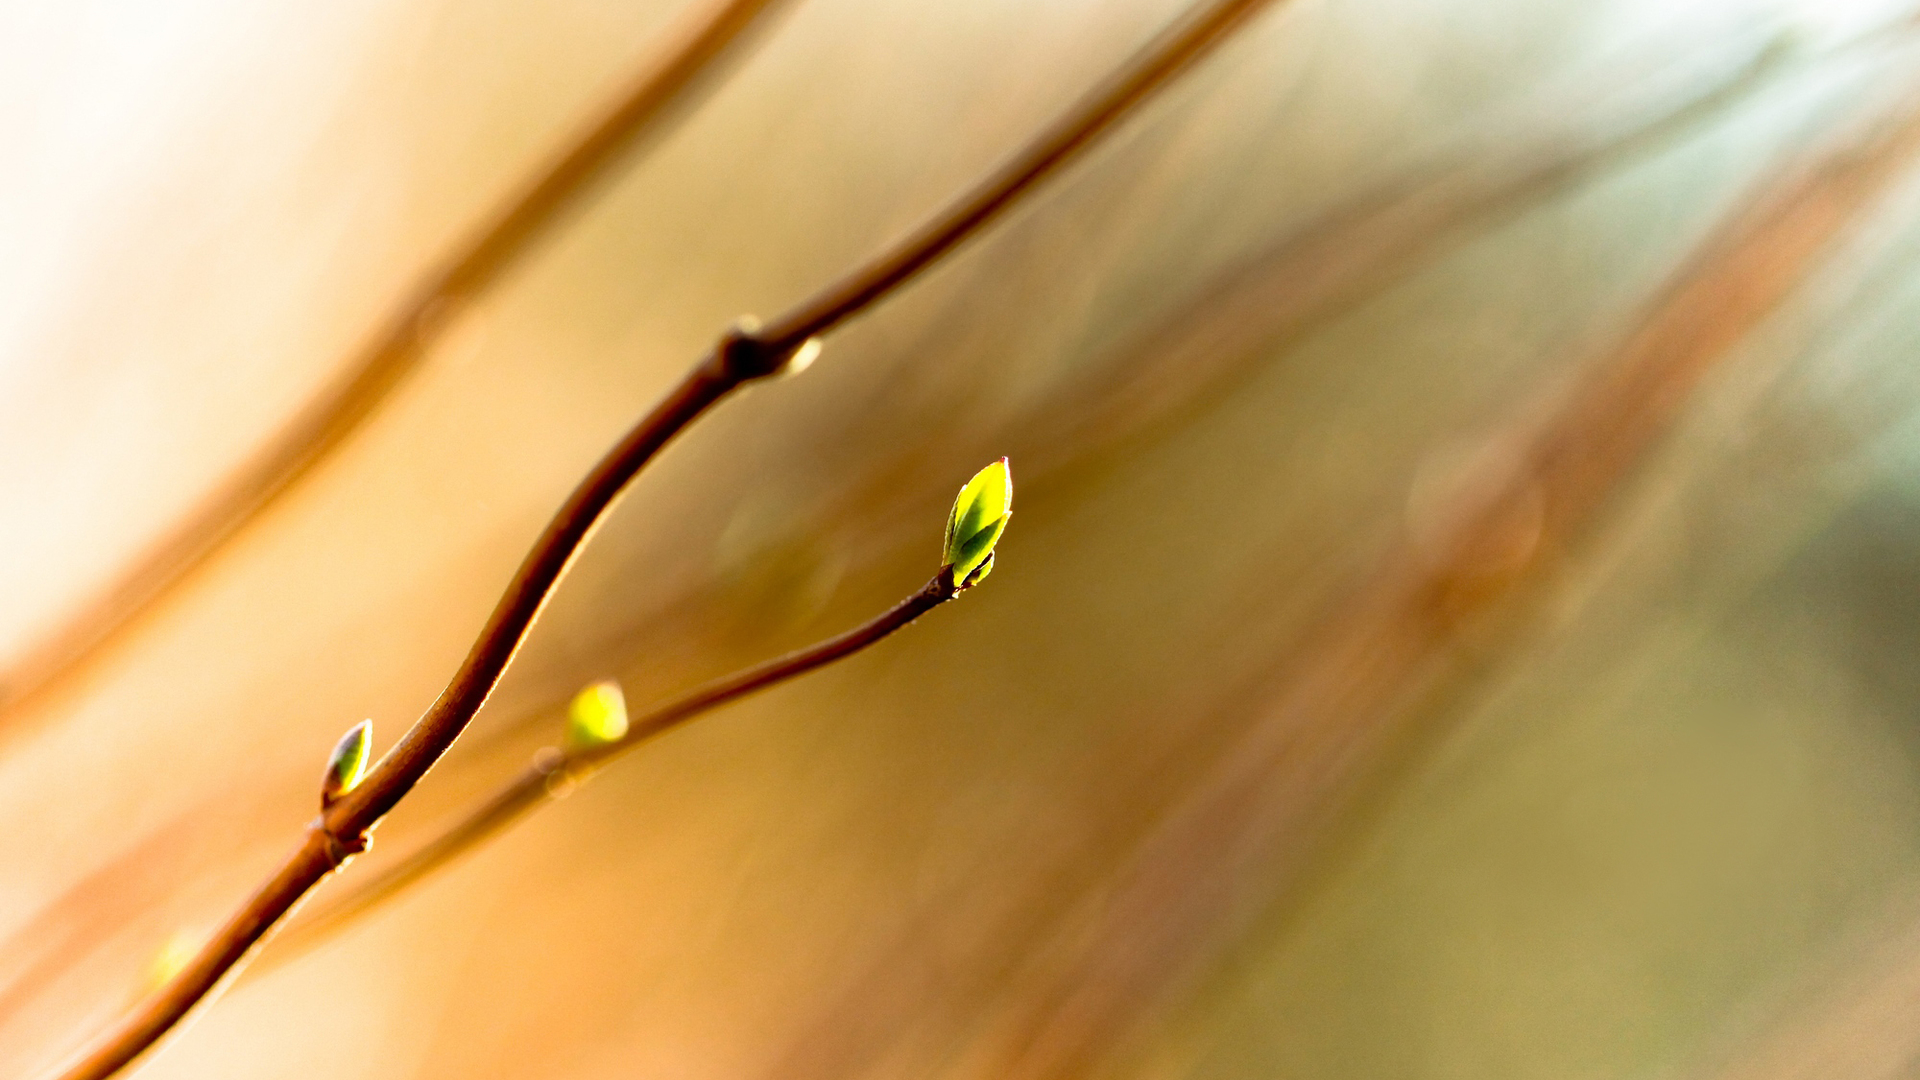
x=1281 y=292
x=1412 y=628
x=657 y=96
x=1304 y=277
x=554 y=772
x=342 y=829
x=741 y=356
x=1852 y=1017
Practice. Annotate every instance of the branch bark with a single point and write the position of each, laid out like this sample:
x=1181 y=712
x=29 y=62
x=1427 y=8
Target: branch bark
x=743 y=355
x=1396 y=647
x=555 y=772
x=495 y=246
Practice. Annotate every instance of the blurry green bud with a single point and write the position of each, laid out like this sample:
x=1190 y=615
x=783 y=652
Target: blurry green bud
x=597 y=715
x=348 y=763
x=979 y=516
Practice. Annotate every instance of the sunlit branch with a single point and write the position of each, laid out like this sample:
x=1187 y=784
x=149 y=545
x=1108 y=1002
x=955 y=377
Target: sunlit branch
x=554 y=772
x=1399 y=644
x=743 y=355
x=498 y=244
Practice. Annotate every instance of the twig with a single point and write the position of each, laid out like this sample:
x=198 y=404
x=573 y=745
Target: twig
x=341 y=830
x=743 y=355
x=555 y=772
x=1294 y=284
x=1403 y=641
x=1198 y=30
x=551 y=776
x=476 y=263
x=1279 y=293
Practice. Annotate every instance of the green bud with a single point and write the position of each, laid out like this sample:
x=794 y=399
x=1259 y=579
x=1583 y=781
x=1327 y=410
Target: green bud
x=597 y=715
x=979 y=573
x=979 y=516
x=348 y=763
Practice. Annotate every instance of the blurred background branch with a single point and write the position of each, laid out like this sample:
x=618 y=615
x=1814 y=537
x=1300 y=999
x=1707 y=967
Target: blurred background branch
x=657 y=96
x=351 y=809
x=1510 y=678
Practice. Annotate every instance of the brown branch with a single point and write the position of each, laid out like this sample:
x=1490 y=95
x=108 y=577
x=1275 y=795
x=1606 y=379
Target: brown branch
x=1401 y=642
x=554 y=772
x=1200 y=336
x=742 y=356
x=1172 y=370
x=1191 y=37
x=1196 y=337
x=498 y=244
x=341 y=830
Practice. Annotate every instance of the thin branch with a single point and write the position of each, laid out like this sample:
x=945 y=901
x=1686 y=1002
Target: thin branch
x=1294 y=284
x=1173 y=50
x=341 y=830
x=499 y=243
x=740 y=357
x=555 y=772
x=1397 y=650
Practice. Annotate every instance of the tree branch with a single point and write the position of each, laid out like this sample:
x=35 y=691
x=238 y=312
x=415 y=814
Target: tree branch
x=554 y=772
x=1198 y=30
x=498 y=244
x=742 y=356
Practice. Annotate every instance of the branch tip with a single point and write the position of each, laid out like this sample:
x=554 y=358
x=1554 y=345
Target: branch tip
x=347 y=764
x=979 y=515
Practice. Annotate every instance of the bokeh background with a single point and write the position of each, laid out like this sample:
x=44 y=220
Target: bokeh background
x=1461 y=618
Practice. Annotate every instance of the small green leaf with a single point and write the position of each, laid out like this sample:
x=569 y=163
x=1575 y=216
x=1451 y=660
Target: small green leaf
x=978 y=518
x=979 y=573
x=348 y=764
x=597 y=715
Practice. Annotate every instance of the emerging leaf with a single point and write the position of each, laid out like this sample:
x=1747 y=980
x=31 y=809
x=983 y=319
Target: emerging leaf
x=979 y=573
x=597 y=715
x=348 y=763
x=978 y=518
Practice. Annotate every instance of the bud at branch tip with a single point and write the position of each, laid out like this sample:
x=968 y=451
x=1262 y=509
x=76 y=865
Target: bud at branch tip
x=348 y=764
x=979 y=516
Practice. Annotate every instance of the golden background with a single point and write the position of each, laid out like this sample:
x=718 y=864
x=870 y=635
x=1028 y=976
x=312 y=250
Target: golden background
x=1461 y=617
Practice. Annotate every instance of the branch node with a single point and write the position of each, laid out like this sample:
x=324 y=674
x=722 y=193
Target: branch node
x=340 y=849
x=556 y=770
x=743 y=355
